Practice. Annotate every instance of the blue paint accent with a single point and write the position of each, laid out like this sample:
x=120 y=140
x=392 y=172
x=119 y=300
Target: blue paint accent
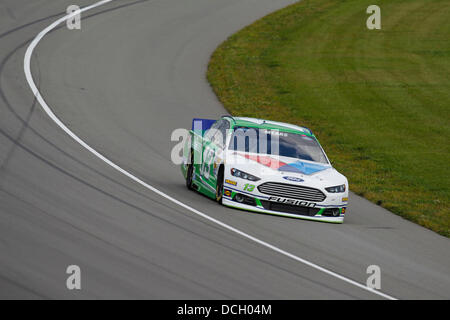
x=199 y=126
x=303 y=167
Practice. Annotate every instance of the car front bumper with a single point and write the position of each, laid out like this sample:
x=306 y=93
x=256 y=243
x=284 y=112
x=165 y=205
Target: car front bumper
x=252 y=202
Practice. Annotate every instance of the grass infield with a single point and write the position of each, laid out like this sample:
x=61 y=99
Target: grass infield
x=378 y=100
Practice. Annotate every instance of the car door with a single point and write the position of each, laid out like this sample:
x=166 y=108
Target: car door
x=213 y=146
x=207 y=154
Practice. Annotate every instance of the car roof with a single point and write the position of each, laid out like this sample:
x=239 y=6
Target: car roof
x=270 y=125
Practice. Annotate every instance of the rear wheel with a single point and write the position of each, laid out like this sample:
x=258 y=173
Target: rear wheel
x=219 y=186
x=190 y=172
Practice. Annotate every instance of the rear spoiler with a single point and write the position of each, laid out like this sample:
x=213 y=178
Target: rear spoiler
x=199 y=126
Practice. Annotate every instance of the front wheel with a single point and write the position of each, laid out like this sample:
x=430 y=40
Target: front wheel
x=219 y=186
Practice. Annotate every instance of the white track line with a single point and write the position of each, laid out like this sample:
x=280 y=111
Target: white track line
x=29 y=77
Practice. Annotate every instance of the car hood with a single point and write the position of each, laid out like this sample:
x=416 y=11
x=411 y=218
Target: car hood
x=286 y=169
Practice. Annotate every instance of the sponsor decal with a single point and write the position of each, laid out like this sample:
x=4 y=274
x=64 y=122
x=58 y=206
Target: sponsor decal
x=233 y=183
x=344 y=199
x=227 y=193
x=293 y=202
x=295 y=179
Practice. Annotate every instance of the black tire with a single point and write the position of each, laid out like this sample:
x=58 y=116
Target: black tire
x=190 y=172
x=219 y=185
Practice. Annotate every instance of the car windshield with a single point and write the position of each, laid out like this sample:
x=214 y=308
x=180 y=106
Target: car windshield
x=279 y=143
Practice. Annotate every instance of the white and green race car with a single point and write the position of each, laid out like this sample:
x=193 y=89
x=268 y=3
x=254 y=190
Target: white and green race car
x=264 y=166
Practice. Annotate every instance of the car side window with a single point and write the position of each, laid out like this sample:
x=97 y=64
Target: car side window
x=210 y=132
x=223 y=129
x=220 y=136
x=217 y=137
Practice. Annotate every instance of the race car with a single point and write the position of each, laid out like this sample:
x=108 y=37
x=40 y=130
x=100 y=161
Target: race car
x=264 y=166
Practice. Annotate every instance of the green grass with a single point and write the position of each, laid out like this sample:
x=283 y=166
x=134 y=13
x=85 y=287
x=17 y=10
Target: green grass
x=378 y=100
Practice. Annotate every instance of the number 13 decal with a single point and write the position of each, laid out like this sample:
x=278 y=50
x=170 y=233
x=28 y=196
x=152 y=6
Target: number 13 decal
x=249 y=187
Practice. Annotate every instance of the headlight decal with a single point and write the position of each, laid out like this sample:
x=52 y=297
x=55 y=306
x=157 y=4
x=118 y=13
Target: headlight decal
x=243 y=175
x=336 y=189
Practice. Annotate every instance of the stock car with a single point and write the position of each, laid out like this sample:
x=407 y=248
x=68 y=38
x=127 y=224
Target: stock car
x=263 y=166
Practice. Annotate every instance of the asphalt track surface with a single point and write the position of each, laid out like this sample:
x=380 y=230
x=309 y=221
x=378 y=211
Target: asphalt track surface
x=123 y=83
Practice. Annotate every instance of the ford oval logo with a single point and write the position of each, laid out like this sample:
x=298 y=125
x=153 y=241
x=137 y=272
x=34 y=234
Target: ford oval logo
x=295 y=179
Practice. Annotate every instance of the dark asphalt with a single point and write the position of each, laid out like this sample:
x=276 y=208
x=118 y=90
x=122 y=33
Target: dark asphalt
x=134 y=73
